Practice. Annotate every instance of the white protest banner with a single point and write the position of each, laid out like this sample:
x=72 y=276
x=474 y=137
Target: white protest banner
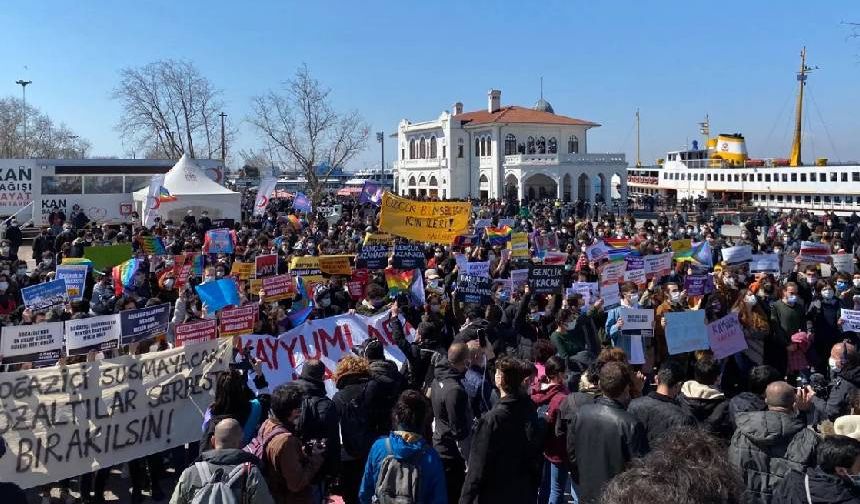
x=611 y=295
x=685 y=331
x=788 y=262
x=461 y=261
x=850 y=320
x=844 y=263
x=597 y=251
x=637 y=319
x=328 y=340
x=826 y=270
x=85 y=417
x=765 y=263
x=589 y=291
x=658 y=263
x=635 y=276
x=726 y=336
x=31 y=343
x=480 y=269
x=519 y=277
x=737 y=255
x=264 y=192
x=330 y=213
x=612 y=272
x=94 y=333
x=814 y=252
x=553 y=257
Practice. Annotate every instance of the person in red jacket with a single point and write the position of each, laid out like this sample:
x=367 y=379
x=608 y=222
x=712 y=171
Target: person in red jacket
x=548 y=396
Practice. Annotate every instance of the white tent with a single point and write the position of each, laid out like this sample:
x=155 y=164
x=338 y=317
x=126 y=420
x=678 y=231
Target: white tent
x=193 y=190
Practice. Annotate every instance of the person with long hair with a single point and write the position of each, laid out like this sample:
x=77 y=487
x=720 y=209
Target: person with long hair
x=756 y=326
x=234 y=399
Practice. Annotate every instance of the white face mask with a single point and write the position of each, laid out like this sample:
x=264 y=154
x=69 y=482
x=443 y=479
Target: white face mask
x=571 y=326
x=834 y=364
x=827 y=294
x=634 y=299
x=675 y=296
x=856 y=282
x=751 y=299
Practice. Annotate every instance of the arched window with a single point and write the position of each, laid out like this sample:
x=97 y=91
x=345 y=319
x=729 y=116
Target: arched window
x=433 y=182
x=477 y=147
x=460 y=148
x=573 y=145
x=412 y=181
x=483 y=146
x=552 y=147
x=422 y=181
x=432 y=147
x=521 y=148
x=412 y=149
x=541 y=145
x=510 y=144
x=422 y=149
x=489 y=143
x=530 y=145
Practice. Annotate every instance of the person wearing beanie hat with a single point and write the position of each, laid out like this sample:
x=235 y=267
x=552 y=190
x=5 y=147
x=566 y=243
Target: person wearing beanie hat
x=318 y=418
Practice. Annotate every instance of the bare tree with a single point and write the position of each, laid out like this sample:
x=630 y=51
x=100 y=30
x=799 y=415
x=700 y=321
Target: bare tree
x=302 y=125
x=44 y=138
x=170 y=109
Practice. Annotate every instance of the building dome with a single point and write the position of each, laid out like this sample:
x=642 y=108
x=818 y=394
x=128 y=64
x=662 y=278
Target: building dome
x=543 y=106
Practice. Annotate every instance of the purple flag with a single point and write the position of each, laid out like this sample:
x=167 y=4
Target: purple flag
x=370 y=193
x=302 y=203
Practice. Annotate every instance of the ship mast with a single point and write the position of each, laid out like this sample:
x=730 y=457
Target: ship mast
x=795 y=157
x=638 y=159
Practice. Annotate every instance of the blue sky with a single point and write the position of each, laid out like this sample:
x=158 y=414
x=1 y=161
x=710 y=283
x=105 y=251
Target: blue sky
x=674 y=60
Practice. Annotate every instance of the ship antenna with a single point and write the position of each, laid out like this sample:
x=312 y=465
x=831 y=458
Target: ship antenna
x=795 y=157
x=638 y=159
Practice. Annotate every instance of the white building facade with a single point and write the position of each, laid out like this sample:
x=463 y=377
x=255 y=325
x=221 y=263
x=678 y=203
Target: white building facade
x=505 y=152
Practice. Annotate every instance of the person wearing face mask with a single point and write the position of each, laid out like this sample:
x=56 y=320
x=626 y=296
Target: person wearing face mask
x=674 y=300
x=844 y=364
x=569 y=339
x=822 y=323
x=835 y=478
x=6 y=252
x=375 y=301
x=103 y=295
x=787 y=317
x=756 y=327
x=7 y=301
x=629 y=298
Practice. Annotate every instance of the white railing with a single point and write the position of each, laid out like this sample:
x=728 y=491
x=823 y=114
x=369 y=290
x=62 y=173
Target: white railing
x=554 y=159
x=538 y=159
x=486 y=162
x=423 y=163
x=609 y=158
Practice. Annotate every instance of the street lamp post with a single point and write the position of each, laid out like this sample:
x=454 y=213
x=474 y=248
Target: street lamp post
x=223 y=141
x=380 y=137
x=24 y=83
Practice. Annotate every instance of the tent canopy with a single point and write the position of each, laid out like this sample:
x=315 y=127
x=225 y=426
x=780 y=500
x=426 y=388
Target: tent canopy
x=193 y=190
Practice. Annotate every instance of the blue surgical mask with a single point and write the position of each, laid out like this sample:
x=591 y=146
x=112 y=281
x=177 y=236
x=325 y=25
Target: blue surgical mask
x=841 y=286
x=792 y=299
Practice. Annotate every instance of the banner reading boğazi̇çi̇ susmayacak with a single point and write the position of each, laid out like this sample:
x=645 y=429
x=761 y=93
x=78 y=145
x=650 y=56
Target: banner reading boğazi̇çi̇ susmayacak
x=62 y=422
x=327 y=340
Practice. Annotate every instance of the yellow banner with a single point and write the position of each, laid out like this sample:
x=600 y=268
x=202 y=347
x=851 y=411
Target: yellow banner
x=335 y=264
x=243 y=270
x=519 y=244
x=307 y=264
x=681 y=245
x=377 y=239
x=436 y=222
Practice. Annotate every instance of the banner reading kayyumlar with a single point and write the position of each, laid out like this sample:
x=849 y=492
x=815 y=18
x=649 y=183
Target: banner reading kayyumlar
x=437 y=222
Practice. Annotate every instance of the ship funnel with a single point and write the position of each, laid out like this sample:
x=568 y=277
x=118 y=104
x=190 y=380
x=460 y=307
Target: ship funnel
x=731 y=148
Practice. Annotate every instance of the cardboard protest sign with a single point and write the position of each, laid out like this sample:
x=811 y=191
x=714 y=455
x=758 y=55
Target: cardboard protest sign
x=377 y=239
x=335 y=264
x=519 y=245
x=613 y=272
x=519 y=277
x=611 y=295
x=850 y=320
x=635 y=276
x=192 y=333
x=75 y=276
x=357 y=284
x=305 y=265
x=634 y=262
x=101 y=414
x=553 y=257
x=218 y=241
x=95 y=333
x=436 y=222
x=544 y=243
x=764 y=263
x=265 y=265
x=726 y=337
x=374 y=256
x=243 y=270
x=698 y=285
x=737 y=255
x=237 y=321
x=278 y=287
x=657 y=264
x=408 y=256
x=546 y=279
x=597 y=251
x=640 y=320
x=331 y=213
x=844 y=263
x=45 y=295
x=469 y=240
x=31 y=343
x=814 y=252
x=218 y=293
x=474 y=289
x=589 y=291
x=685 y=331
x=108 y=256
x=477 y=268
x=483 y=223
x=144 y=323
x=328 y=340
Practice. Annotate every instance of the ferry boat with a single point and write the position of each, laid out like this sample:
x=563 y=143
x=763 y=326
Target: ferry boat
x=722 y=171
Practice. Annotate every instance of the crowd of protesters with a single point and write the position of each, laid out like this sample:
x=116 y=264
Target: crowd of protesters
x=527 y=398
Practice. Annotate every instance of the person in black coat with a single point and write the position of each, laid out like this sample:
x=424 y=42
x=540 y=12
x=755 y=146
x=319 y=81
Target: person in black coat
x=846 y=360
x=704 y=401
x=834 y=480
x=15 y=237
x=753 y=400
x=659 y=411
x=605 y=435
x=505 y=459
x=320 y=420
x=42 y=243
x=453 y=417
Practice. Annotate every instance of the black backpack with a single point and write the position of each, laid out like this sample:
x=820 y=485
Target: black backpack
x=356 y=434
x=309 y=424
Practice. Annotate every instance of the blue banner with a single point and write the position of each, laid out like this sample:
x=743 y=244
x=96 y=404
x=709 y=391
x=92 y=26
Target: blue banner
x=302 y=203
x=219 y=241
x=75 y=276
x=45 y=295
x=218 y=294
x=144 y=323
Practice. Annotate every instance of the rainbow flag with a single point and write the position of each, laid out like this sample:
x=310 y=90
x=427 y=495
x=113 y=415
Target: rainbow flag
x=164 y=195
x=302 y=307
x=398 y=281
x=152 y=245
x=617 y=243
x=123 y=274
x=498 y=236
x=295 y=222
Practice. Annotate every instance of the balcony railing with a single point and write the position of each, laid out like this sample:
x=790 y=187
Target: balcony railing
x=423 y=163
x=554 y=159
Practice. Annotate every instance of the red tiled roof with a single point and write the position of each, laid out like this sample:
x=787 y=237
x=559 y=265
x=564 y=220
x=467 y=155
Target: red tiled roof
x=515 y=114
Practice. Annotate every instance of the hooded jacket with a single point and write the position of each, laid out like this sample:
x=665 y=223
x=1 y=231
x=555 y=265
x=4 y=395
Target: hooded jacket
x=451 y=411
x=766 y=446
x=288 y=470
x=550 y=397
x=389 y=383
x=824 y=488
x=406 y=446
x=255 y=489
x=659 y=414
x=505 y=460
x=708 y=406
x=839 y=400
x=745 y=402
x=322 y=422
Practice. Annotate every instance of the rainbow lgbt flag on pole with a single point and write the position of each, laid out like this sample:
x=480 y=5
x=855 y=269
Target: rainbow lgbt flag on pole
x=398 y=281
x=123 y=275
x=498 y=236
x=152 y=245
